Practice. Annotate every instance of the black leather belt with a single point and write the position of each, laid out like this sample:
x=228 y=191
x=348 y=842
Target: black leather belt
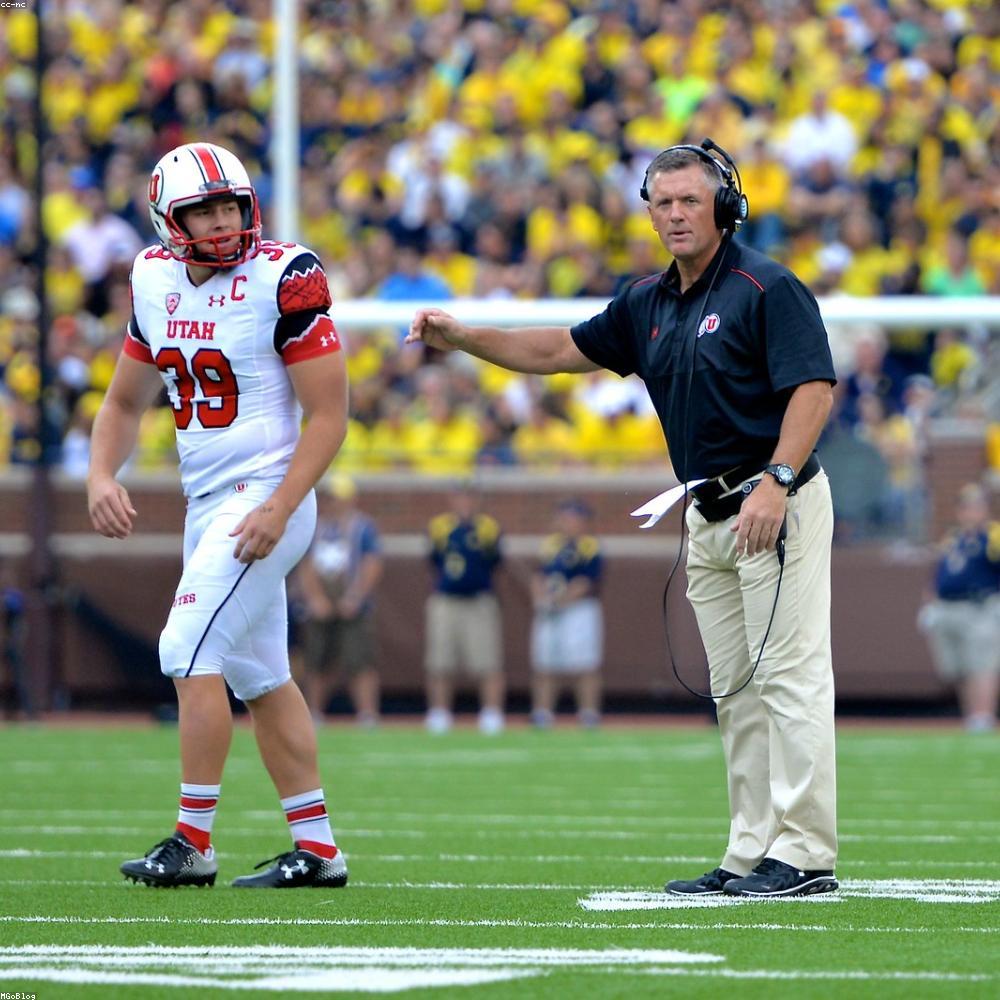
x=714 y=507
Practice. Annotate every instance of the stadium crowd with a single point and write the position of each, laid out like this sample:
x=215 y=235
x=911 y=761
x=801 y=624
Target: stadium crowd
x=496 y=148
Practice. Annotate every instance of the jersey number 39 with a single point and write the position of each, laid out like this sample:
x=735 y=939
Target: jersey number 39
x=214 y=375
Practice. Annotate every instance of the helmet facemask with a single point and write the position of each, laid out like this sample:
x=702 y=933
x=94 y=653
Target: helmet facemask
x=208 y=251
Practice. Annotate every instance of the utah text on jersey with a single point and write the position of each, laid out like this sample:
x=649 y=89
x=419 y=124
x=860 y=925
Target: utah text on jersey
x=222 y=348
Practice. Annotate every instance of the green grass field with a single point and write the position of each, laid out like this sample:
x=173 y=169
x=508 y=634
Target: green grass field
x=524 y=865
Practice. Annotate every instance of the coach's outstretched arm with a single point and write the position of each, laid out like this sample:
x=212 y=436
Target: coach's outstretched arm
x=536 y=350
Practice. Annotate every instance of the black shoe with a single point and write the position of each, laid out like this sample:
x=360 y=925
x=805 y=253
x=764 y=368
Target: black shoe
x=297 y=869
x=772 y=878
x=173 y=862
x=710 y=884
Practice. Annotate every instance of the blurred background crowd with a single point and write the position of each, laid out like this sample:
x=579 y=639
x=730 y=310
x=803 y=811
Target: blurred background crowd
x=456 y=148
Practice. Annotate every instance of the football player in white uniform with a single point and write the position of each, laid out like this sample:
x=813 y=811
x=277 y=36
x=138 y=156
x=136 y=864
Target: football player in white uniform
x=239 y=331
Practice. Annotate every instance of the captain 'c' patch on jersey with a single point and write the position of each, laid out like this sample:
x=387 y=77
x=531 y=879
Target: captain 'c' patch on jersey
x=303 y=286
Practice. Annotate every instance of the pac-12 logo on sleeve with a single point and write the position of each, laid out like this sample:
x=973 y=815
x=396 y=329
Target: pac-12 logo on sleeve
x=709 y=324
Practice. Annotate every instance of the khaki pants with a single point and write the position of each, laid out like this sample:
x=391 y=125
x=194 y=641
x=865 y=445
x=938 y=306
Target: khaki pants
x=778 y=733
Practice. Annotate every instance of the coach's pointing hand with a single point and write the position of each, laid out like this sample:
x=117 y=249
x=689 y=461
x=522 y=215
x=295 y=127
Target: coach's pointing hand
x=111 y=510
x=436 y=329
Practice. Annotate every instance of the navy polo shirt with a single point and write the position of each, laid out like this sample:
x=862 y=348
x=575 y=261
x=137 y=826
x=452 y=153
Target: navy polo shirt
x=752 y=339
x=969 y=570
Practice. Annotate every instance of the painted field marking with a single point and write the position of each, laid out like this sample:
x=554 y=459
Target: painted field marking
x=382 y=970
x=607 y=899
x=283 y=969
x=517 y=923
x=919 y=890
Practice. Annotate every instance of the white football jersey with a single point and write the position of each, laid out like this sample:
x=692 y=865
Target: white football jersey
x=222 y=348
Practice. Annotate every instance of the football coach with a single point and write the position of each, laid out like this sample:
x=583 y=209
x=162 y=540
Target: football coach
x=734 y=355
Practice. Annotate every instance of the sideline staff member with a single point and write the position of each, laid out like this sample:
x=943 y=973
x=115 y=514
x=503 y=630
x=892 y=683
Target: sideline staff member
x=734 y=355
x=462 y=614
x=962 y=621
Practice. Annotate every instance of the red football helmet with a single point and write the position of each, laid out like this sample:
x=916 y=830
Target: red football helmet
x=191 y=174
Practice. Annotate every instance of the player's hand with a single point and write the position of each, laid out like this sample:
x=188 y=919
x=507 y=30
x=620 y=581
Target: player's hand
x=435 y=328
x=259 y=531
x=759 y=521
x=111 y=510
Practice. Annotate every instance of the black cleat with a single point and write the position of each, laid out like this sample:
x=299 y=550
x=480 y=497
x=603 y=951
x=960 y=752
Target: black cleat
x=171 y=863
x=774 y=879
x=297 y=869
x=710 y=884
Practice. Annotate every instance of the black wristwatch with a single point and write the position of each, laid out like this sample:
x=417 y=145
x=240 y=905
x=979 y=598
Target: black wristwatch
x=785 y=475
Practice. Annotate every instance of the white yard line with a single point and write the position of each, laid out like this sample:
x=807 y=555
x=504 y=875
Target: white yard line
x=517 y=923
x=373 y=969
x=918 y=890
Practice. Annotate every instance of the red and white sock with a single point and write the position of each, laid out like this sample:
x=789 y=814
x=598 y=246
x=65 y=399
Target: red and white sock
x=197 y=813
x=309 y=823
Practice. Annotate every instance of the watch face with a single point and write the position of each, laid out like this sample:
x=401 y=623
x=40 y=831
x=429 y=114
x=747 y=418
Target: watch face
x=785 y=474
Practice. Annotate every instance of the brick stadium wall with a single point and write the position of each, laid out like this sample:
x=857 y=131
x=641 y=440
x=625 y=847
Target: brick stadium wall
x=877 y=589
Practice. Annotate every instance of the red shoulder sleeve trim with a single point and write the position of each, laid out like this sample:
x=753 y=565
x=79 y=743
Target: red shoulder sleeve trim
x=137 y=349
x=319 y=337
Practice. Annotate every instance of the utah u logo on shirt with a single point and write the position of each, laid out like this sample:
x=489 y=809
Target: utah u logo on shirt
x=709 y=324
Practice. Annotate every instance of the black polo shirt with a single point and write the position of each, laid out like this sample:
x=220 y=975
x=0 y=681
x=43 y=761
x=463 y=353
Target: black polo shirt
x=753 y=338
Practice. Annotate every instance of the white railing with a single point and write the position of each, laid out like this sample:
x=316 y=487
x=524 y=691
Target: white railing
x=921 y=312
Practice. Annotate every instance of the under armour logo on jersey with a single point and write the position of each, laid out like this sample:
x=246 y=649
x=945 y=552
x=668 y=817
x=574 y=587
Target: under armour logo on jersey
x=292 y=870
x=240 y=487
x=654 y=333
x=173 y=301
x=216 y=300
x=709 y=324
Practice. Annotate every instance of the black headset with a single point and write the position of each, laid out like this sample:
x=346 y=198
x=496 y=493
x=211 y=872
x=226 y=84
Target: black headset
x=731 y=205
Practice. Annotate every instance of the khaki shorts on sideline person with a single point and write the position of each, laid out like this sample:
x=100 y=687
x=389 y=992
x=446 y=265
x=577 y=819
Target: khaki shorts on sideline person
x=569 y=640
x=964 y=636
x=463 y=633
x=344 y=645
